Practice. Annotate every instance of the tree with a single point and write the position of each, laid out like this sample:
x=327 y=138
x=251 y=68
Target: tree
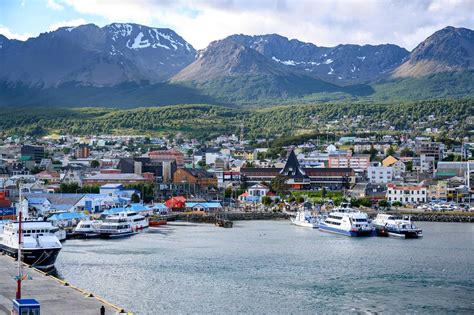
x=396 y=204
x=95 y=164
x=291 y=199
x=278 y=184
x=390 y=151
x=135 y=198
x=300 y=199
x=406 y=152
x=266 y=200
x=384 y=203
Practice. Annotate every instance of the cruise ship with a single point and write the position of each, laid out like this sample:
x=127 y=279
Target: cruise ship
x=347 y=221
x=397 y=226
x=40 y=246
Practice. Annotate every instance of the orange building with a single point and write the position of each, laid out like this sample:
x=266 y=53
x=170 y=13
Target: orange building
x=194 y=176
x=166 y=155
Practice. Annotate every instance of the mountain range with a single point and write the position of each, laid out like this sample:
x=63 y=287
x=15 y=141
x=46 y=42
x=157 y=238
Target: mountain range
x=129 y=65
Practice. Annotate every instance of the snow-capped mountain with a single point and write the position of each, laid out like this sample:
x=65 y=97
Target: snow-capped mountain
x=95 y=56
x=343 y=64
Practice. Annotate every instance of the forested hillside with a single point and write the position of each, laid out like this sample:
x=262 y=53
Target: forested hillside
x=206 y=121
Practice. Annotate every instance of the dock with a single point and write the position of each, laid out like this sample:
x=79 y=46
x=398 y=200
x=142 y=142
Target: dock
x=56 y=296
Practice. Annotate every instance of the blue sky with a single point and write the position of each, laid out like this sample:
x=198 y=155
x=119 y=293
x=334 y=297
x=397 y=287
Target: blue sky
x=322 y=22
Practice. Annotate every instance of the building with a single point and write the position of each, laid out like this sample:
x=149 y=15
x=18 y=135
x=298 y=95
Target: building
x=397 y=165
x=82 y=152
x=166 y=155
x=162 y=170
x=380 y=174
x=348 y=160
x=248 y=154
x=412 y=194
x=255 y=193
x=430 y=148
x=124 y=179
x=365 y=146
x=195 y=177
x=299 y=177
x=36 y=153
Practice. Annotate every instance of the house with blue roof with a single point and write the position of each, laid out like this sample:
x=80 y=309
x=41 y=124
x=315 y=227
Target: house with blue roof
x=203 y=206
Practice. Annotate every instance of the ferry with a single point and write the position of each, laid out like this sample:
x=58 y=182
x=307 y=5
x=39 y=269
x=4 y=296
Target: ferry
x=347 y=221
x=87 y=229
x=116 y=226
x=397 y=226
x=40 y=246
x=305 y=219
x=137 y=220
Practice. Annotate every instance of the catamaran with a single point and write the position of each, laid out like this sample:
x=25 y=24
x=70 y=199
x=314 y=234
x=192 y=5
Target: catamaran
x=347 y=221
x=396 y=225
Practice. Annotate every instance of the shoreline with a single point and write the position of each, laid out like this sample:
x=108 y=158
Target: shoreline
x=246 y=216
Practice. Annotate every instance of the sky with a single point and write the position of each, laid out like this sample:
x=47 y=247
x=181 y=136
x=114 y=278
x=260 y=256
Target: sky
x=321 y=22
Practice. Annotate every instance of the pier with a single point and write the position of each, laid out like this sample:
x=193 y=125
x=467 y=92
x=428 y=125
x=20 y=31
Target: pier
x=55 y=296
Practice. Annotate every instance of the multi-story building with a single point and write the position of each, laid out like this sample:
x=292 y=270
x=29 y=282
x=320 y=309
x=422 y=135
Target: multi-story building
x=397 y=165
x=348 y=160
x=165 y=155
x=162 y=170
x=430 y=148
x=36 y=153
x=82 y=152
x=413 y=194
x=378 y=174
x=195 y=177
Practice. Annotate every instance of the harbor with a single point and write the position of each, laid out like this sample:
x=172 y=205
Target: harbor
x=186 y=267
x=55 y=296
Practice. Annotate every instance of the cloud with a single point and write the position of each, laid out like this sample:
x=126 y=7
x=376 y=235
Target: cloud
x=59 y=24
x=52 y=4
x=322 y=22
x=5 y=31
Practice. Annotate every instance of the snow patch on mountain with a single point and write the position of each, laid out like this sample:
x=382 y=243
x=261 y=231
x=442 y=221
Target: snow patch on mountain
x=138 y=42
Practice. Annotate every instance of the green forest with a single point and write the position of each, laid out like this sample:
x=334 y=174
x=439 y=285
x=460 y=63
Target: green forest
x=207 y=121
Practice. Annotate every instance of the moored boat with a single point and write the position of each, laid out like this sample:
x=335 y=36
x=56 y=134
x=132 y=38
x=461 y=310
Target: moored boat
x=87 y=229
x=305 y=219
x=116 y=226
x=39 y=244
x=347 y=221
x=396 y=226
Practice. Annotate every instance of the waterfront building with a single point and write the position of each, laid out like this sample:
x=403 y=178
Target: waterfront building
x=413 y=194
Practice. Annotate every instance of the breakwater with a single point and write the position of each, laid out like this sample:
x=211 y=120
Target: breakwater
x=230 y=215
x=442 y=218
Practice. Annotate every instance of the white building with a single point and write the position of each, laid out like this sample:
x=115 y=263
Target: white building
x=407 y=193
x=380 y=174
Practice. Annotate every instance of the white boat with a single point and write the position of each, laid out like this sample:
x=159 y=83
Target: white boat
x=40 y=246
x=116 y=226
x=137 y=220
x=87 y=229
x=60 y=233
x=305 y=219
x=347 y=221
x=396 y=225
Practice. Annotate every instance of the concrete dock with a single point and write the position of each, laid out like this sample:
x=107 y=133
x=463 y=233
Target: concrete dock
x=54 y=295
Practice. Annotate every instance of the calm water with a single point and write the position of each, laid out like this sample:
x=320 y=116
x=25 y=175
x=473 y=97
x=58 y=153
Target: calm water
x=273 y=267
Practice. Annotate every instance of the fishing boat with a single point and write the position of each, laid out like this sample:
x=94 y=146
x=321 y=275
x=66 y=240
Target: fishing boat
x=116 y=226
x=347 y=221
x=305 y=219
x=396 y=226
x=39 y=244
x=157 y=222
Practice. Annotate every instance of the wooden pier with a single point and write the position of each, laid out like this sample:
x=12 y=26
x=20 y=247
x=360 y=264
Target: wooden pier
x=56 y=297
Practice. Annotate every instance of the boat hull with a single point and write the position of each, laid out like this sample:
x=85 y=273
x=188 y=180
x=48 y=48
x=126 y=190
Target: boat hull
x=39 y=258
x=399 y=234
x=330 y=229
x=304 y=224
x=157 y=223
x=117 y=235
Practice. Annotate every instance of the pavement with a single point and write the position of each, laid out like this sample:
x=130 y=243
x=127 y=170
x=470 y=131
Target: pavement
x=55 y=296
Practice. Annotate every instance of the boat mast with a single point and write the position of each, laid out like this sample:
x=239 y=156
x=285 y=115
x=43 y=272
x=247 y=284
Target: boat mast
x=18 y=281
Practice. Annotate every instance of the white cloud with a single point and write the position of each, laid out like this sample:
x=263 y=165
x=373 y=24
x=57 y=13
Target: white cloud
x=59 y=24
x=5 y=31
x=322 y=22
x=52 y=4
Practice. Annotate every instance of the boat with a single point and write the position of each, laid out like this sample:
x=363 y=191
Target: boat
x=396 y=225
x=305 y=219
x=87 y=229
x=39 y=244
x=60 y=233
x=116 y=226
x=157 y=222
x=347 y=221
x=137 y=220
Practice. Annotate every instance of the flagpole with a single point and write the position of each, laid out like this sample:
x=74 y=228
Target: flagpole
x=18 y=283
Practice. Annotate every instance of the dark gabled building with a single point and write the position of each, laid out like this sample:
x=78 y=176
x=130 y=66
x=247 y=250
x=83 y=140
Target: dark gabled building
x=301 y=178
x=36 y=153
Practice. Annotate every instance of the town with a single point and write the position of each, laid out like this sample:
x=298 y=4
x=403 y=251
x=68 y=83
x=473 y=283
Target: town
x=62 y=173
